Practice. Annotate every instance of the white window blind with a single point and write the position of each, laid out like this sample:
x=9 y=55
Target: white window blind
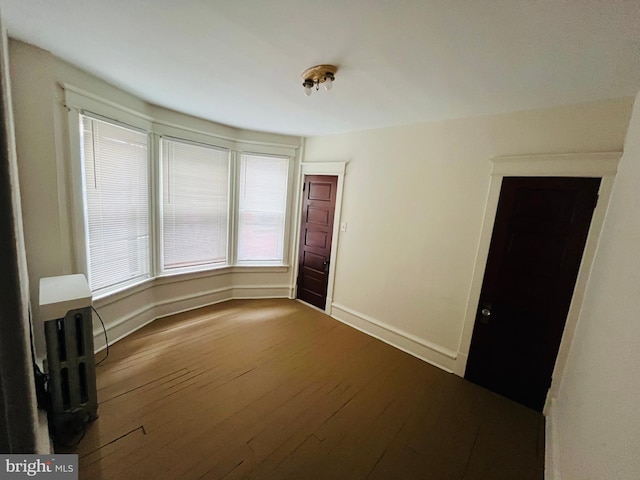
x=116 y=187
x=195 y=205
x=262 y=208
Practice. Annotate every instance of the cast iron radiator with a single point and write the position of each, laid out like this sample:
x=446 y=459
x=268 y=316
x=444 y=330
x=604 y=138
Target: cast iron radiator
x=71 y=368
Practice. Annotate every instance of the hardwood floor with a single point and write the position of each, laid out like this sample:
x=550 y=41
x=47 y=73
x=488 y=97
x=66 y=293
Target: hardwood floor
x=273 y=389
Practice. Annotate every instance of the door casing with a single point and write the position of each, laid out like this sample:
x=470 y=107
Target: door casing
x=319 y=168
x=541 y=227
x=603 y=165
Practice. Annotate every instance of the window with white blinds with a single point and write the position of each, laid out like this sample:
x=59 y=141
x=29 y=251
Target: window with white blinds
x=116 y=188
x=195 y=205
x=262 y=204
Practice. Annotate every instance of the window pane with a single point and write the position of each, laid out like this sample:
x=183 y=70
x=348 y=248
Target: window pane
x=262 y=208
x=195 y=203
x=117 y=201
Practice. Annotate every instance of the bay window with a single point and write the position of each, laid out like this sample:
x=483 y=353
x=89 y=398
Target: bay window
x=161 y=205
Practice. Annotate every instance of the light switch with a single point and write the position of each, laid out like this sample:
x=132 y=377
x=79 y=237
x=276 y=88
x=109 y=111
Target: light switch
x=343 y=227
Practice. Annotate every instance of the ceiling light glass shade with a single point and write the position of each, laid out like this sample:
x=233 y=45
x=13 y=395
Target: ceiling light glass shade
x=314 y=76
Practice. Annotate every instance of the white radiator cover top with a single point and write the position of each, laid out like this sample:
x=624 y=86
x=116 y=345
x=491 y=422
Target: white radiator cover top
x=60 y=294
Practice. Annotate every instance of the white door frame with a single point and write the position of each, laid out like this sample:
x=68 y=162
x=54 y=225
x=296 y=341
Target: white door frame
x=334 y=169
x=603 y=165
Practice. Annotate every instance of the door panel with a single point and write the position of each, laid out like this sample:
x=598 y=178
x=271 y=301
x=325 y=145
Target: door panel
x=317 y=215
x=316 y=231
x=536 y=247
x=312 y=261
x=317 y=239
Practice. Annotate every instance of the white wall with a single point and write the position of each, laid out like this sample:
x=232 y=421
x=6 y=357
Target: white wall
x=414 y=200
x=44 y=159
x=596 y=415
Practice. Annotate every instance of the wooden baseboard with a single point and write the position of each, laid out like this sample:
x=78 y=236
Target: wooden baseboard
x=429 y=352
x=126 y=325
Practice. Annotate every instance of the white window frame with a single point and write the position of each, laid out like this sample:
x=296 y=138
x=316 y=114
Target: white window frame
x=150 y=244
x=287 y=213
x=80 y=103
x=161 y=269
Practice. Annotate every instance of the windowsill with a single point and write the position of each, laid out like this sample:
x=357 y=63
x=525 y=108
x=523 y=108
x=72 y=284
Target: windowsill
x=169 y=278
x=262 y=267
x=206 y=271
x=124 y=291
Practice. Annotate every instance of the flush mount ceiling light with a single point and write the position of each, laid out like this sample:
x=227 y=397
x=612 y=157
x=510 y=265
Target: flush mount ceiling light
x=325 y=74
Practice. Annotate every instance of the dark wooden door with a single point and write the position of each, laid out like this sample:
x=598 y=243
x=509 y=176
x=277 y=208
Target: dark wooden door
x=316 y=230
x=538 y=239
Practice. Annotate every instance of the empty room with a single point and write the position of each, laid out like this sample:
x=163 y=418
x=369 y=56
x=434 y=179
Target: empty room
x=320 y=240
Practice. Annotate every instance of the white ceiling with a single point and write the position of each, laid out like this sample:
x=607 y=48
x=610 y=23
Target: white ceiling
x=238 y=62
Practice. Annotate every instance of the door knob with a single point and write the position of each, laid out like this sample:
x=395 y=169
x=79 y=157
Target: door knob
x=485 y=313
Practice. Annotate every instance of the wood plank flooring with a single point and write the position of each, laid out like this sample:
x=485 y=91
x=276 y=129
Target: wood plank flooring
x=273 y=389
